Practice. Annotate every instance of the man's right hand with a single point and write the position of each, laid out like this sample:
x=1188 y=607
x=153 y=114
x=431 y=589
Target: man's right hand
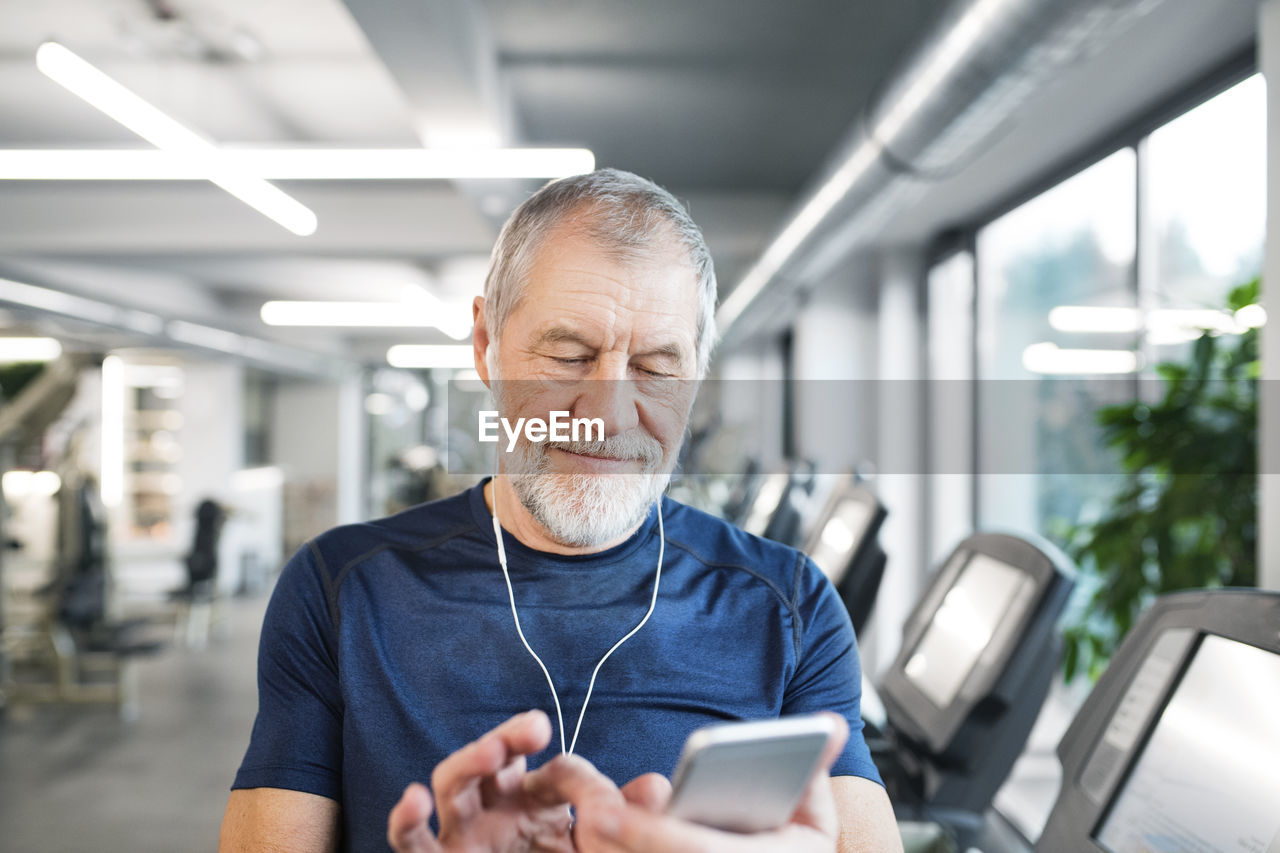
x=480 y=797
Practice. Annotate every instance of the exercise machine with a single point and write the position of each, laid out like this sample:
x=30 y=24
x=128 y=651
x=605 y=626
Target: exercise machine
x=843 y=542
x=979 y=651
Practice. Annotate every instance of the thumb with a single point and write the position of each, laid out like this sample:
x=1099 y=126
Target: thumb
x=818 y=807
x=651 y=792
x=407 y=829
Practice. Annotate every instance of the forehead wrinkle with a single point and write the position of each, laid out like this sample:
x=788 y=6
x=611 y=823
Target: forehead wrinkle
x=565 y=243
x=611 y=306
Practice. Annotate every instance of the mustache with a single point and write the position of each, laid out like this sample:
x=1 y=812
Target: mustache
x=627 y=446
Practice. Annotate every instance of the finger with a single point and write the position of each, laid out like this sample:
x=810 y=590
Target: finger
x=504 y=783
x=835 y=746
x=509 y=779
x=569 y=779
x=456 y=779
x=620 y=828
x=632 y=830
x=407 y=829
x=553 y=830
x=651 y=792
x=818 y=806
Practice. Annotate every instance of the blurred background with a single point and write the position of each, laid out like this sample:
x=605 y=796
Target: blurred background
x=239 y=243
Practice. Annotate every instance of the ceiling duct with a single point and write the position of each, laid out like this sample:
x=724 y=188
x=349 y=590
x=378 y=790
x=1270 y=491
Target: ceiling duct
x=982 y=61
x=153 y=330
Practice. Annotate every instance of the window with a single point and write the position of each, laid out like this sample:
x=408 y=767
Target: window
x=1104 y=275
x=1071 y=248
x=1204 y=206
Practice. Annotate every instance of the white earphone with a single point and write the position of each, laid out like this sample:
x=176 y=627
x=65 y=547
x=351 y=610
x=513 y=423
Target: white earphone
x=555 y=697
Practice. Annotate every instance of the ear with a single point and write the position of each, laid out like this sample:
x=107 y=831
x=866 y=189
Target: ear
x=481 y=341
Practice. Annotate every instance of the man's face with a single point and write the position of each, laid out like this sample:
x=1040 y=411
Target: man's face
x=599 y=338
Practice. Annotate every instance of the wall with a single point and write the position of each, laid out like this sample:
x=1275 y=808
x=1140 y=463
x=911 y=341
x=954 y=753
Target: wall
x=318 y=440
x=212 y=433
x=750 y=398
x=834 y=363
x=212 y=443
x=212 y=437
x=1269 y=427
x=858 y=351
x=900 y=448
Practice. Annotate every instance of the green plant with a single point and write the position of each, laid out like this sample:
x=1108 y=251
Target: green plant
x=1187 y=515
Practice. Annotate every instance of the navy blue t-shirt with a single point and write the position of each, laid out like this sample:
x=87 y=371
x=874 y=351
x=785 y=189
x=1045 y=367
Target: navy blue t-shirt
x=389 y=645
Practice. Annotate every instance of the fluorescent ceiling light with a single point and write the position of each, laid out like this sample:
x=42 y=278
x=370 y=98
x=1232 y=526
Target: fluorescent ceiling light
x=1168 y=326
x=22 y=484
x=29 y=349
x=1193 y=319
x=1046 y=358
x=103 y=93
x=1163 y=325
x=1171 y=336
x=1091 y=318
x=294 y=164
x=413 y=163
x=1251 y=317
x=456 y=356
x=424 y=311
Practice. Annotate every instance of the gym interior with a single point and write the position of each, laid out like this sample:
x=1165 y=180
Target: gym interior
x=993 y=351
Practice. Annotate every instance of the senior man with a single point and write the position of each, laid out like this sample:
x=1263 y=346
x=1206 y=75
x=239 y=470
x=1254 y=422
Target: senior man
x=400 y=649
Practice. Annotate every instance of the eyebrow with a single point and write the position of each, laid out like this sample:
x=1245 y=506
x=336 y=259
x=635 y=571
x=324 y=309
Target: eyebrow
x=563 y=335
x=669 y=350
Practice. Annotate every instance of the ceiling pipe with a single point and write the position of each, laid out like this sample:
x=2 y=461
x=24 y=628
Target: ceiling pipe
x=982 y=61
x=151 y=329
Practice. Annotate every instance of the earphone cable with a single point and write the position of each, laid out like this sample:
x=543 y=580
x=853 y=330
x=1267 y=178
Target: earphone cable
x=511 y=595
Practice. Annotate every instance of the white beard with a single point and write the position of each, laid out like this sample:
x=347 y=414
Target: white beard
x=586 y=510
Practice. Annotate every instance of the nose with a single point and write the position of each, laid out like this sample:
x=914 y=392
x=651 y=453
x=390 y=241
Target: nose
x=610 y=395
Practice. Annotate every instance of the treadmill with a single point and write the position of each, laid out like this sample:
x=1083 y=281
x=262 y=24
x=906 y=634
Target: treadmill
x=978 y=654
x=773 y=512
x=1178 y=746
x=844 y=544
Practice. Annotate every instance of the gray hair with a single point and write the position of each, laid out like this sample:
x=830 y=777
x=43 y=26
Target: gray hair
x=629 y=215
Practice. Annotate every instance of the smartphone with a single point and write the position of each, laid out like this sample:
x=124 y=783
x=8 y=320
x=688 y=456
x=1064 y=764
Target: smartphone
x=748 y=777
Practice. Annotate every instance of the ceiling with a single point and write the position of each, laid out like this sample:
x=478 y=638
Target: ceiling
x=731 y=104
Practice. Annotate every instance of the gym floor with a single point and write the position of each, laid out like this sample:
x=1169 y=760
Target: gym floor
x=76 y=779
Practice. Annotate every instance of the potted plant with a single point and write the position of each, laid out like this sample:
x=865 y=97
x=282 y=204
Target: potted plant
x=1187 y=515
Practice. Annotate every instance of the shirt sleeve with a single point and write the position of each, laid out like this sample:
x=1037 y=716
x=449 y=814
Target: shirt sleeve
x=297 y=736
x=828 y=676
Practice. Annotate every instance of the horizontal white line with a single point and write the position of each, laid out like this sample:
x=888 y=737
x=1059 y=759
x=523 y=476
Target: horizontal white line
x=289 y=164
